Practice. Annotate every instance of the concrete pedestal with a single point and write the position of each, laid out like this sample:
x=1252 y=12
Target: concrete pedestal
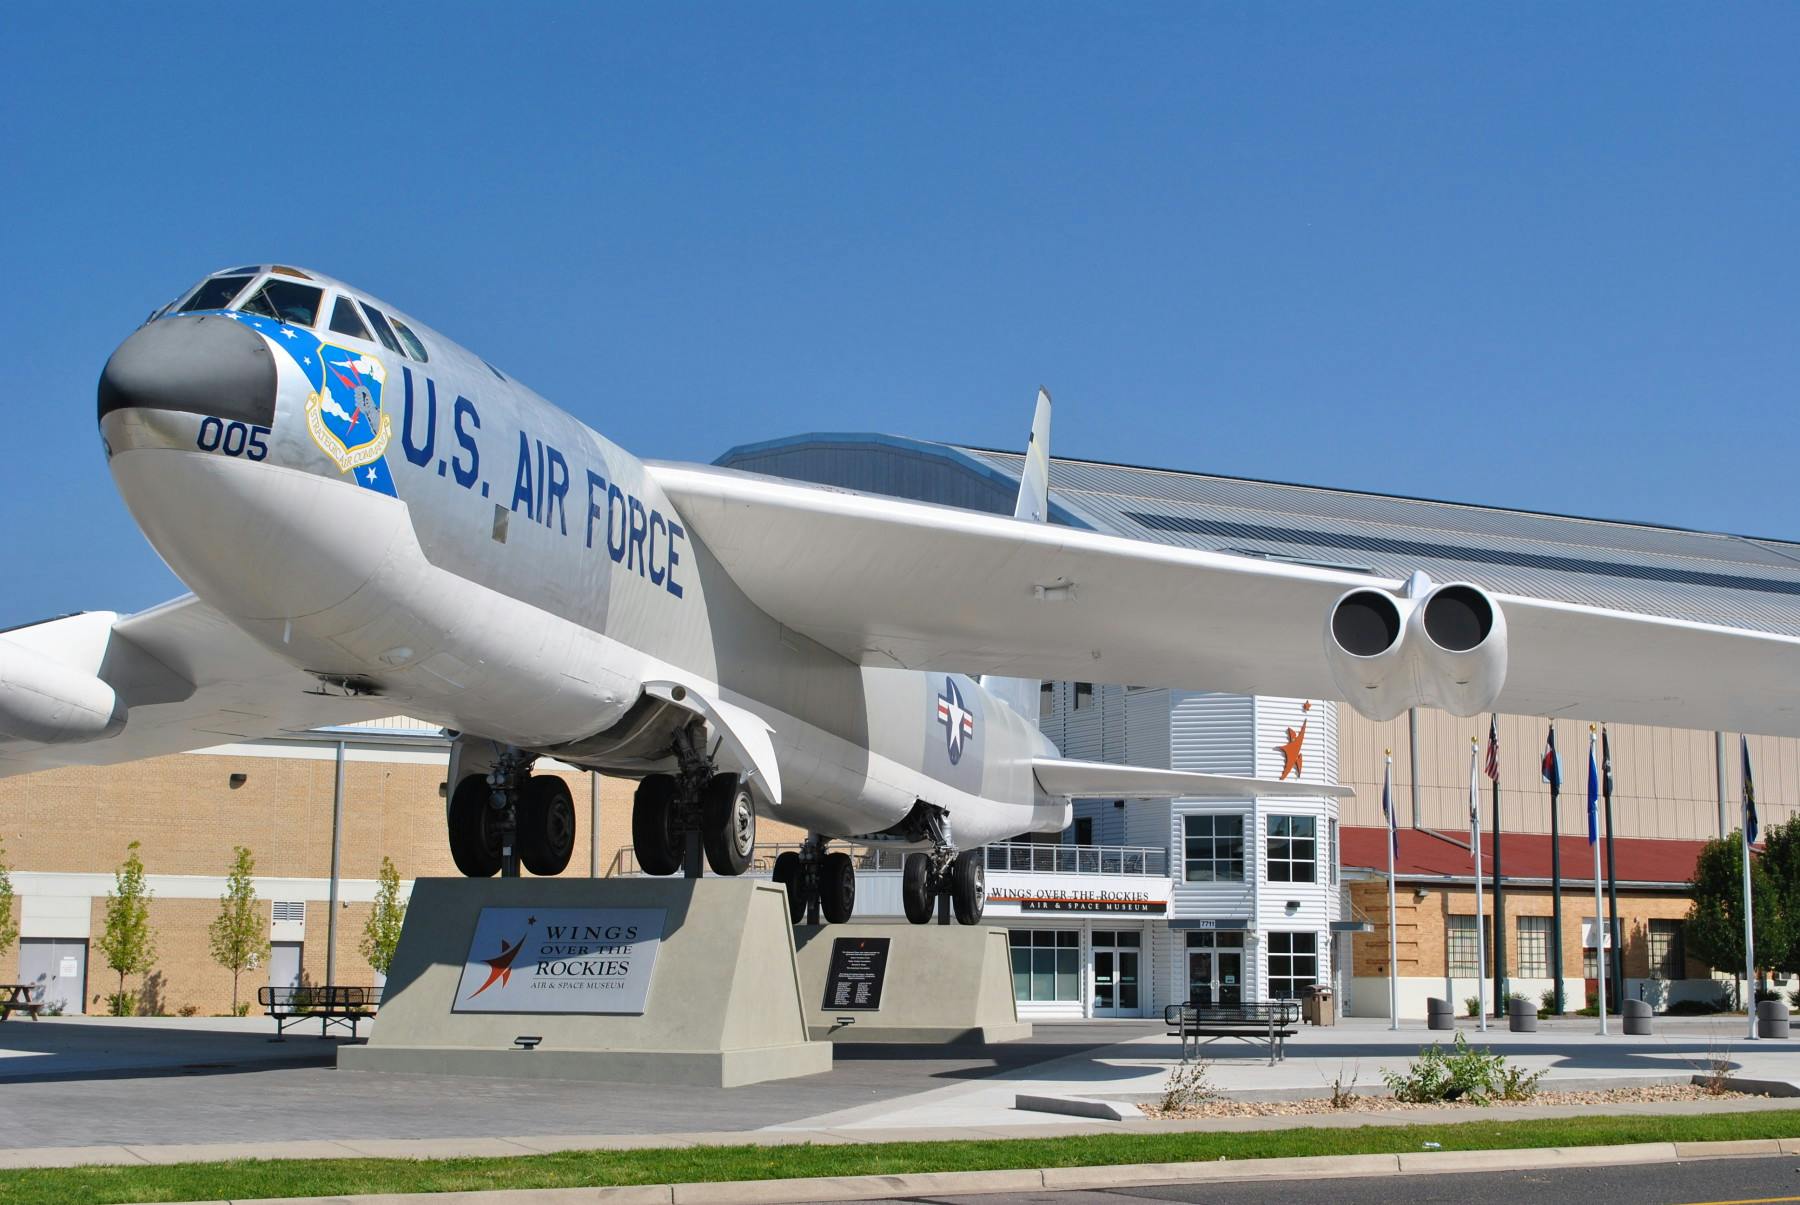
x=939 y=984
x=722 y=1006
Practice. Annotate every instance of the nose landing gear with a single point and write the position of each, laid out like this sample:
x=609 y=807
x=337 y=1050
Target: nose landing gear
x=510 y=816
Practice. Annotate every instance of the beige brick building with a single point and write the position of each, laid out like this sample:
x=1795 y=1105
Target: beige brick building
x=65 y=833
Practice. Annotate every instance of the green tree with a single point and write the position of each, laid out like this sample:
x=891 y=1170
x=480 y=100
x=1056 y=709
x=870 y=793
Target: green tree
x=9 y=928
x=128 y=943
x=240 y=939
x=1780 y=858
x=1715 y=919
x=382 y=931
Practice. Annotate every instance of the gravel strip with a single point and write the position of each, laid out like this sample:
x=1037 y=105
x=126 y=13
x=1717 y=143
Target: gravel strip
x=1220 y=1107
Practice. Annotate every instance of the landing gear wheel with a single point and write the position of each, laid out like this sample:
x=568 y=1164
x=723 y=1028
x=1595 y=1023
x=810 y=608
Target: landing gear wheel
x=968 y=886
x=787 y=873
x=474 y=829
x=653 y=833
x=728 y=818
x=915 y=888
x=837 y=888
x=546 y=825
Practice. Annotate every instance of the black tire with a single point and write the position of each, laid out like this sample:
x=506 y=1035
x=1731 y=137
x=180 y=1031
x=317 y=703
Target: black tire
x=546 y=825
x=654 y=839
x=968 y=886
x=915 y=888
x=728 y=820
x=474 y=829
x=837 y=888
x=787 y=873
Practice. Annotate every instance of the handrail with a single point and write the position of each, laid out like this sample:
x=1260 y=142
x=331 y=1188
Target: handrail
x=1035 y=857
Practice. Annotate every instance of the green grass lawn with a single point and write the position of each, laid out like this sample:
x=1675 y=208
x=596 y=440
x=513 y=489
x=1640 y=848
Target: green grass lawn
x=300 y=1177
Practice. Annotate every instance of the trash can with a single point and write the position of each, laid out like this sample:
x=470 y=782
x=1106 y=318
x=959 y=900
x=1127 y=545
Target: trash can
x=1317 y=1006
x=1521 y=1017
x=1637 y=1018
x=1309 y=1006
x=1438 y=1014
x=1771 y=1019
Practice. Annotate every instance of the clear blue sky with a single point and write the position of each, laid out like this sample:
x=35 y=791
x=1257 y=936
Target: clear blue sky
x=1529 y=254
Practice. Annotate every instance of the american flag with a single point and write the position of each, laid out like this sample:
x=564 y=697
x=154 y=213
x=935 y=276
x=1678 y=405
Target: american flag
x=1492 y=769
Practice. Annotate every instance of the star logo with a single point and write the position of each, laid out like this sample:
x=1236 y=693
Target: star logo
x=1291 y=761
x=958 y=720
x=500 y=966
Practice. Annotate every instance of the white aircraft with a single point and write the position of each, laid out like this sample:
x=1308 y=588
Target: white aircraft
x=373 y=519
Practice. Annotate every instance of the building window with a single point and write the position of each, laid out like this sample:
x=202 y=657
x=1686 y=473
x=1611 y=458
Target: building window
x=1293 y=964
x=1084 y=830
x=1459 y=944
x=1668 y=955
x=1293 y=849
x=1534 y=947
x=1084 y=695
x=1046 y=697
x=1046 y=965
x=1214 y=850
x=1331 y=846
x=1590 y=967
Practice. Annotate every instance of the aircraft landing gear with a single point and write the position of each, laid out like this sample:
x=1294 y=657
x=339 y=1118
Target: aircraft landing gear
x=675 y=818
x=510 y=816
x=819 y=885
x=944 y=881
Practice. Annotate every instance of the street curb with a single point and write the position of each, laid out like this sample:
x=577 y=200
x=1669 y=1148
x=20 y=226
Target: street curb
x=1137 y=1175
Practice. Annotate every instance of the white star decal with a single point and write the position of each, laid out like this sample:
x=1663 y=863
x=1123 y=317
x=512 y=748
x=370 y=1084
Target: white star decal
x=306 y=360
x=287 y=332
x=371 y=476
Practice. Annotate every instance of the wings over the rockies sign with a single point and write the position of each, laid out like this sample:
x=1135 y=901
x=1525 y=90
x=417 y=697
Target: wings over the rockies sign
x=560 y=960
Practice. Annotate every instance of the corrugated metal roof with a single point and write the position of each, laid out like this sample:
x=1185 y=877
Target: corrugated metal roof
x=1703 y=576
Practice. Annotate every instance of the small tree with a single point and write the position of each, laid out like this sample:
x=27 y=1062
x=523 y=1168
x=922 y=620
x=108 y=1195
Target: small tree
x=9 y=928
x=128 y=943
x=240 y=939
x=1780 y=860
x=1715 y=919
x=382 y=932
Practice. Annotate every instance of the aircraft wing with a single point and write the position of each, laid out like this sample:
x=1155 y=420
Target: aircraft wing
x=176 y=677
x=1103 y=780
x=895 y=583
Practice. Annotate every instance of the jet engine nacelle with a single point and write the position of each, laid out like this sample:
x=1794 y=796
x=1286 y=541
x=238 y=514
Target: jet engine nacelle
x=46 y=700
x=1434 y=646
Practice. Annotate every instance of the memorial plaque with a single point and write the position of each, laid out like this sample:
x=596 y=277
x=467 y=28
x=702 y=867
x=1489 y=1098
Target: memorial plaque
x=560 y=960
x=853 y=981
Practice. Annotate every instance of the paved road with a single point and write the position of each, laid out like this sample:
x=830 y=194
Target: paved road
x=1708 y=1181
x=70 y=1084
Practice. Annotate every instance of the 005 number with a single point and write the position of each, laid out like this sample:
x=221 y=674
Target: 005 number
x=233 y=439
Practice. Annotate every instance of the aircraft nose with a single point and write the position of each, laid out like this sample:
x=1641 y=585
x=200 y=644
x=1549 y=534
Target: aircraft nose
x=207 y=364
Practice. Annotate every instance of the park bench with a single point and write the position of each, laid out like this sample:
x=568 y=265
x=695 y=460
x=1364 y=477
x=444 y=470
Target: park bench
x=1272 y=1022
x=21 y=998
x=329 y=1005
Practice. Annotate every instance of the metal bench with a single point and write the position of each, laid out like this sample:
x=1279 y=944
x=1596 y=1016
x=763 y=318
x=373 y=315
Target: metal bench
x=1271 y=1021
x=329 y=1005
x=21 y=998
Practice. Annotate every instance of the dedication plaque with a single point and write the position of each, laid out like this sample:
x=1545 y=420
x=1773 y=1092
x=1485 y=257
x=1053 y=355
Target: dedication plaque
x=853 y=981
x=560 y=960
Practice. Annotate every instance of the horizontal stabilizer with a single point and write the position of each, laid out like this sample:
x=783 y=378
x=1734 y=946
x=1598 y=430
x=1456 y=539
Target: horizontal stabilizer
x=1103 y=780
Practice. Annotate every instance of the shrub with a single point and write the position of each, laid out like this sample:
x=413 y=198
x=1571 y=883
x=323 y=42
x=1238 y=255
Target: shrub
x=189 y=1010
x=1547 y=1002
x=1472 y=1006
x=1186 y=1087
x=1464 y=1073
x=1692 y=1008
x=121 y=1004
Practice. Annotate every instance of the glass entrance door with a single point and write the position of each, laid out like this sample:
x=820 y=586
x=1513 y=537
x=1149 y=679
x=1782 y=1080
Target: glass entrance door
x=1215 y=969
x=1116 y=973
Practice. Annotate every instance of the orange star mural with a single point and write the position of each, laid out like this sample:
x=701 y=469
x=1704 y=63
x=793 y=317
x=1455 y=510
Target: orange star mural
x=500 y=966
x=1291 y=761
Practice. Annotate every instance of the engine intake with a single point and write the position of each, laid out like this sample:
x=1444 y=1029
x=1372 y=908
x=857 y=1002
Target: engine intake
x=1435 y=646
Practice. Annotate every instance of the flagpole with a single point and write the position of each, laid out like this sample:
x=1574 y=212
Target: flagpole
x=1600 y=954
x=1480 y=927
x=1387 y=796
x=1556 y=924
x=1501 y=1000
x=1749 y=910
x=1614 y=933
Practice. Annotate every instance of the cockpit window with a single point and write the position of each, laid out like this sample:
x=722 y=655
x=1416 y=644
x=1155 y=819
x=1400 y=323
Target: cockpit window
x=285 y=301
x=215 y=293
x=383 y=331
x=346 y=321
x=414 y=348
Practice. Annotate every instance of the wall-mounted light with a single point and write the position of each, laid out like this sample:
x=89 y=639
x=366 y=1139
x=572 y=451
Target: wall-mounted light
x=1293 y=905
x=1419 y=893
x=238 y=780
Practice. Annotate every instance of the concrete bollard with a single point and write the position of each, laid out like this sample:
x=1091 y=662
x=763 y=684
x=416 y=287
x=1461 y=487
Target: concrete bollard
x=1771 y=1019
x=1438 y=1014
x=1637 y=1018
x=1521 y=1016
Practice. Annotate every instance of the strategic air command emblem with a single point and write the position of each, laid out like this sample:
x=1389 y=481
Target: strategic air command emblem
x=345 y=415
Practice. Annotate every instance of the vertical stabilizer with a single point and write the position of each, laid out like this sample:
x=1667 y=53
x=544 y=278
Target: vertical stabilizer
x=1033 y=506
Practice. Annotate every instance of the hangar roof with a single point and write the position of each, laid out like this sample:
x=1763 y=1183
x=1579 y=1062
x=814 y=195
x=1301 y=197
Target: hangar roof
x=1708 y=577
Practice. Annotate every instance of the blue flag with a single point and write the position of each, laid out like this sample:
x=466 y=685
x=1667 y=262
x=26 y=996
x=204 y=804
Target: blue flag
x=1593 y=797
x=1387 y=807
x=1750 y=825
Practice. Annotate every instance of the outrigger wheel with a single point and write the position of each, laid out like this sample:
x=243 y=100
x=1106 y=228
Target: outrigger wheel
x=654 y=835
x=915 y=888
x=475 y=828
x=728 y=819
x=968 y=886
x=788 y=874
x=837 y=888
x=546 y=825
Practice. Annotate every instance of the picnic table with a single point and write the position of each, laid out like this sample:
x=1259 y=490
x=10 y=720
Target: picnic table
x=21 y=998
